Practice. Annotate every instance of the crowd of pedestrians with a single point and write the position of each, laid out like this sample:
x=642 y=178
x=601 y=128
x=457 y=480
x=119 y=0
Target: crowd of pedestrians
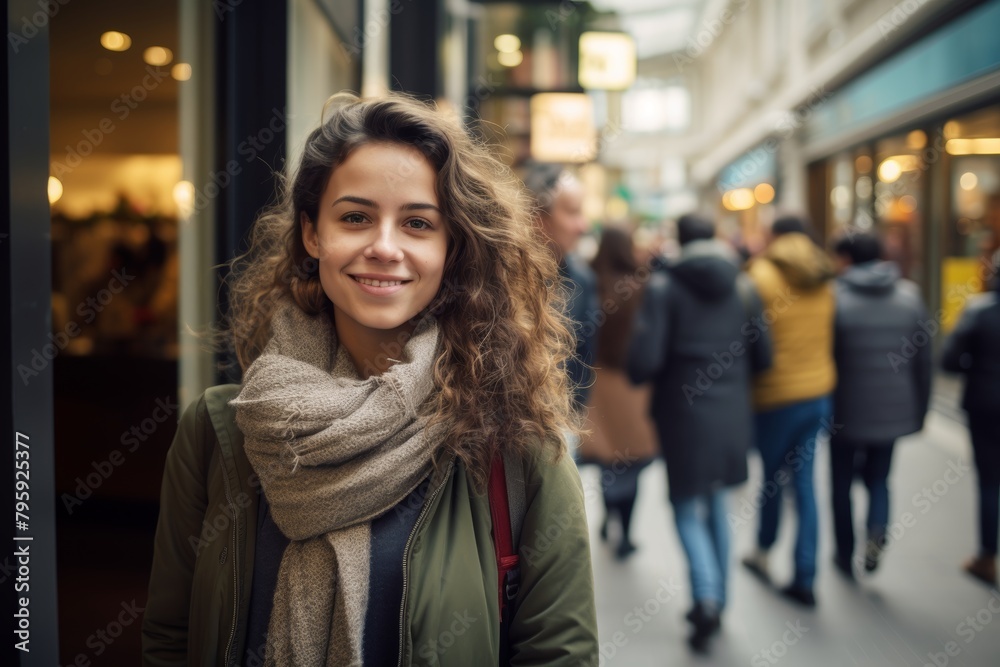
x=717 y=353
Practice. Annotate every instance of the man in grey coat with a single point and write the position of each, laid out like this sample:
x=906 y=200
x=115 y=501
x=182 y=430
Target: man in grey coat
x=882 y=348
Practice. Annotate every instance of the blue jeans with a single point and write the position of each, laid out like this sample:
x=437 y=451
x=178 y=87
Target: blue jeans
x=786 y=439
x=701 y=524
x=873 y=461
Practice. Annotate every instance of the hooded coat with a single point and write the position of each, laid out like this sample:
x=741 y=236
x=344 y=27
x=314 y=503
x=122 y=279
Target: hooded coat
x=883 y=352
x=973 y=348
x=693 y=338
x=793 y=277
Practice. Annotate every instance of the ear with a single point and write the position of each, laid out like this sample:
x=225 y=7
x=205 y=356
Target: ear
x=309 y=236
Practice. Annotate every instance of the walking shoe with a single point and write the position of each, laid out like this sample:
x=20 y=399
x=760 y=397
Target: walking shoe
x=625 y=549
x=844 y=566
x=983 y=568
x=757 y=564
x=799 y=594
x=706 y=621
x=873 y=551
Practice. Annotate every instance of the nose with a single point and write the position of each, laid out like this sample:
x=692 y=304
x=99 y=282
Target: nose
x=384 y=246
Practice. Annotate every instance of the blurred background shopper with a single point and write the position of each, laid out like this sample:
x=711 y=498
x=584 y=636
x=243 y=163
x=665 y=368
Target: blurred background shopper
x=882 y=346
x=973 y=349
x=694 y=340
x=621 y=437
x=558 y=196
x=792 y=398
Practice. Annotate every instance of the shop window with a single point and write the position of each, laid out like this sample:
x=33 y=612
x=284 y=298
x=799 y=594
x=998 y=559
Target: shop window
x=972 y=234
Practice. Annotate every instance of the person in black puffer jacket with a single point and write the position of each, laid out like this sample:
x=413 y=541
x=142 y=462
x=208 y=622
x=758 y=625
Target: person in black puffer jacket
x=974 y=349
x=694 y=339
x=882 y=348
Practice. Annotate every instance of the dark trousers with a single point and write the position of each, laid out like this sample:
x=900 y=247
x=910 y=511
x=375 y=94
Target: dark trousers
x=872 y=461
x=985 y=431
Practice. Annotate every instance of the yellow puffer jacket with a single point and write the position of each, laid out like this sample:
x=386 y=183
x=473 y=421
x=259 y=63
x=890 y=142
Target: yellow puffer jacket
x=793 y=278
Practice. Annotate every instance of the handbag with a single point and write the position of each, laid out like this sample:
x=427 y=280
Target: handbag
x=507 y=507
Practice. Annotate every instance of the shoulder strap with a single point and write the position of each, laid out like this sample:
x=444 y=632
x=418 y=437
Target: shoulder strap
x=507 y=506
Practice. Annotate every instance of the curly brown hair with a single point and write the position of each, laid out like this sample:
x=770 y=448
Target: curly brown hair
x=501 y=385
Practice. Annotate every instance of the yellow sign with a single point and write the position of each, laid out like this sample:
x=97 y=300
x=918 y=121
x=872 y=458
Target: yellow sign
x=562 y=128
x=959 y=280
x=607 y=60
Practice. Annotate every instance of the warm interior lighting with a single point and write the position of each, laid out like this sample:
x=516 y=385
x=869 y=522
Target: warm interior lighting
x=764 y=193
x=181 y=71
x=507 y=43
x=980 y=146
x=184 y=198
x=116 y=41
x=893 y=167
x=968 y=181
x=889 y=171
x=740 y=199
x=916 y=140
x=55 y=190
x=952 y=129
x=510 y=59
x=908 y=203
x=840 y=196
x=863 y=164
x=157 y=56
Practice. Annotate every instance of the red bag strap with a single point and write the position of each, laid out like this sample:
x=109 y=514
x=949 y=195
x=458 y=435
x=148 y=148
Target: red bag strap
x=503 y=544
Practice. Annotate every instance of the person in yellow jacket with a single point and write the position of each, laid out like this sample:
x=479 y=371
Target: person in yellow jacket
x=792 y=399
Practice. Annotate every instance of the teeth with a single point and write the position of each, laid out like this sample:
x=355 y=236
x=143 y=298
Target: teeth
x=378 y=283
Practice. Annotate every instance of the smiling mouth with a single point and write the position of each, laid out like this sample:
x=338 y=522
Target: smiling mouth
x=379 y=283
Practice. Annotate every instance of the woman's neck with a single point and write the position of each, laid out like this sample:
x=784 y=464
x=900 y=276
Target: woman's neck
x=373 y=351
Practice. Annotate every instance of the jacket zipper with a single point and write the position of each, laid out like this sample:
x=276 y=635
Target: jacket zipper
x=235 y=559
x=406 y=555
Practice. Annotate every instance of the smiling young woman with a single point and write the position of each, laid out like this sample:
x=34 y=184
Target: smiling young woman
x=399 y=332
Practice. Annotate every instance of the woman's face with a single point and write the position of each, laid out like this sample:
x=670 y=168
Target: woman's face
x=380 y=237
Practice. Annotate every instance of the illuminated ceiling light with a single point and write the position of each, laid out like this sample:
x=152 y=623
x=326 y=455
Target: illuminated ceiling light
x=764 y=193
x=740 y=199
x=916 y=140
x=952 y=129
x=968 y=181
x=181 y=71
x=507 y=43
x=511 y=59
x=157 y=56
x=889 y=171
x=607 y=60
x=55 y=190
x=980 y=146
x=863 y=164
x=184 y=198
x=116 y=41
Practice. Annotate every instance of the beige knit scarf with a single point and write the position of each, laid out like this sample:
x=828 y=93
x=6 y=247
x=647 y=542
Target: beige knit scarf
x=333 y=452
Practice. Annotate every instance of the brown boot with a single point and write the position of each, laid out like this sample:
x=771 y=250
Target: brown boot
x=984 y=568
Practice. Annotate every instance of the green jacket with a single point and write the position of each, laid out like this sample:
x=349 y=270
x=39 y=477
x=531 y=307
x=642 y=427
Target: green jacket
x=199 y=590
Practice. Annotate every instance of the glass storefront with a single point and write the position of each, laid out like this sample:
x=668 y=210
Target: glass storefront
x=933 y=195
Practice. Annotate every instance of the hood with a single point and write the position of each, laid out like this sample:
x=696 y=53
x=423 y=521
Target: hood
x=871 y=277
x=707 y=268
x=802 y=262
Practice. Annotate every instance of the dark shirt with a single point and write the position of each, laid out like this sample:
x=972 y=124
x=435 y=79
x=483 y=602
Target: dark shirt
x=385 y=580
x=582 y=306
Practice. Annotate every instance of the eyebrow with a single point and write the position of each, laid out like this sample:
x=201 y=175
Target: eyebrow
x=361 y=201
